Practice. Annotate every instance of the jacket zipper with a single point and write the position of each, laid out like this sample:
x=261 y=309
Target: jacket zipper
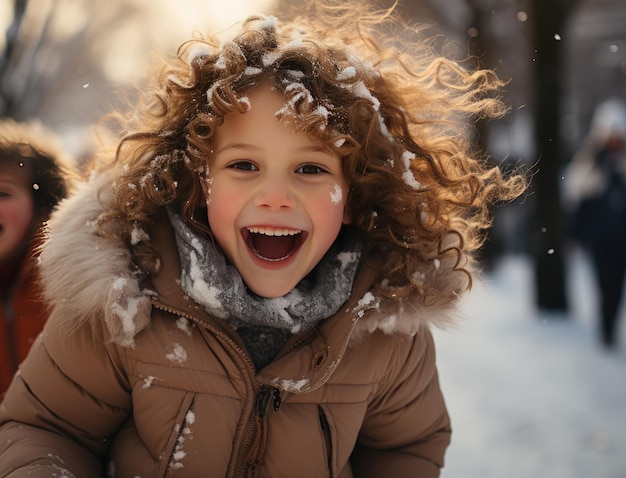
x=263 y=399
x=327 y=436
x=251 y=449
x=255 y=451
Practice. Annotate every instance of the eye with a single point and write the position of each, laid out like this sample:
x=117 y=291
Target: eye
x=310 y=169
x=243 y=166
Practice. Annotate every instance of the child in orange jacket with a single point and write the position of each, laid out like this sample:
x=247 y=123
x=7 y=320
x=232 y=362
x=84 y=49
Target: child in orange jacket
x=34 y=176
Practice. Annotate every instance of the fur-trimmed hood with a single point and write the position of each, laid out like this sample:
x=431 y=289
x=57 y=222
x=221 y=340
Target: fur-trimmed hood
x=87 y=277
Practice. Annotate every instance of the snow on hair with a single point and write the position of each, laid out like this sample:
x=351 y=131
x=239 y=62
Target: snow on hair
x=396 y=115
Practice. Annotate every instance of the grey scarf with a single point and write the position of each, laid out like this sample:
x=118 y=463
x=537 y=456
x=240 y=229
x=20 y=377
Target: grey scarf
x=216 y=285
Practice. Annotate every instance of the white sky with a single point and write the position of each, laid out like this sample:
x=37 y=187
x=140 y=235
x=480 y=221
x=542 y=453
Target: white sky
x=170 y=23
x=6 y=10
x=160 y=25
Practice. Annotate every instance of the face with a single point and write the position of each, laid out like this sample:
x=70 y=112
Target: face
x=276 y=199
x=16 y=210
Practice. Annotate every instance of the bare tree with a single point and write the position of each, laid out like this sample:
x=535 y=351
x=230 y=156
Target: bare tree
x=547 y=239
x=53 y=68
x=6 y=99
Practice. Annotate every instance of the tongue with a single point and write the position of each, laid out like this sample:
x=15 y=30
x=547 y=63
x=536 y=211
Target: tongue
x=273 y=247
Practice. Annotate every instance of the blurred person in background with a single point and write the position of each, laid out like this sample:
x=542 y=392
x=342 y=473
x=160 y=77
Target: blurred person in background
x=34 y=176
x=595 y=198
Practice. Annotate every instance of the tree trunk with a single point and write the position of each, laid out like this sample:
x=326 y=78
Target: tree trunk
x=547 y=234
x=6 y=100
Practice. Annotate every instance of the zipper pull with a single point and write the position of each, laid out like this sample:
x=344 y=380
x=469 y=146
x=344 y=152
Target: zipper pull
x=262 y=400
x=276 y=399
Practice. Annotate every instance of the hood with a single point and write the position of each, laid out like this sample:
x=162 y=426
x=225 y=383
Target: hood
x=87 y=278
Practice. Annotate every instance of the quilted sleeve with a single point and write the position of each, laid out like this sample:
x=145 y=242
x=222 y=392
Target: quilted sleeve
x=66 y=401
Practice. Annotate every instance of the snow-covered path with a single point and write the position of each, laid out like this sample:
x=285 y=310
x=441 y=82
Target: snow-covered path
x=532 y=395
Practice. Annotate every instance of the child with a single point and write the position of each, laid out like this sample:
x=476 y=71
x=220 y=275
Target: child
x=246 y=287
x=34 y=176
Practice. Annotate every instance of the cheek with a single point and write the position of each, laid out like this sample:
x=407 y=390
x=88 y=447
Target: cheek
x=329 y=210
x=336 y=195
x=222 y=207
x=339 y=202
x=20 y=214
x=339 y=197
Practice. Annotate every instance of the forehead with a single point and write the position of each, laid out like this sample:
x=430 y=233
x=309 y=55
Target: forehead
x=262 y=120
x=254 y=123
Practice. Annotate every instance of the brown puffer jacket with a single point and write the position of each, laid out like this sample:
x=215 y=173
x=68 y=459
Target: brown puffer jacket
x=173 y=392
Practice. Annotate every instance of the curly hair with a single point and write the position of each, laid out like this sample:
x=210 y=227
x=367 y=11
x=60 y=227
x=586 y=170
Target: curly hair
x=32 y=146
x=396 y=116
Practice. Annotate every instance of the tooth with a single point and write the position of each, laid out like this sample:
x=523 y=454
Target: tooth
x=273 y=232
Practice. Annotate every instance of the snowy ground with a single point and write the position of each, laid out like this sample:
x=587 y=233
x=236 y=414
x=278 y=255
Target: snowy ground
x=533 y=395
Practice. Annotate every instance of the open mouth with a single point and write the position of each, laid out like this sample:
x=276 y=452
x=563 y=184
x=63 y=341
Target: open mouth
x=273 y=244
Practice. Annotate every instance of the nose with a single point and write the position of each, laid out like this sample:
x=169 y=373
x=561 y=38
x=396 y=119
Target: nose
x=275 y=193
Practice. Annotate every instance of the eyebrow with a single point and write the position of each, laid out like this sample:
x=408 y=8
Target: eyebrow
x=313 y=148
x=245 y=146
x=10 y=182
